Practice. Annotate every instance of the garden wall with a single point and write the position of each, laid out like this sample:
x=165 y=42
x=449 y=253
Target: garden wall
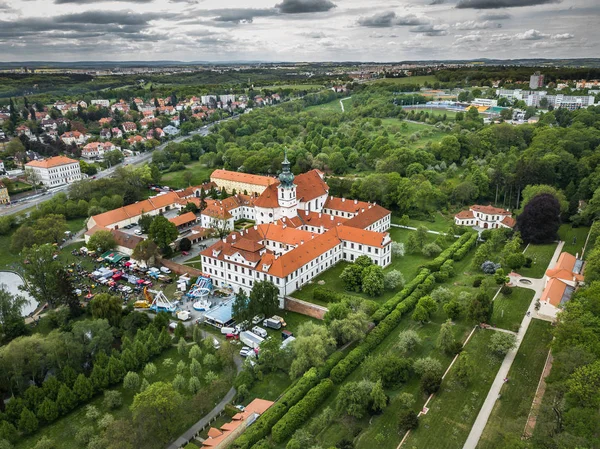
x=180 y=269
x=305 y=308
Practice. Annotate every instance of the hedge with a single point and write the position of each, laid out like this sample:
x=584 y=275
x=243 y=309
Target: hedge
x=466 y=247
x=326 y=295
x=263 y=425
x=299 y=413
x=391 y=303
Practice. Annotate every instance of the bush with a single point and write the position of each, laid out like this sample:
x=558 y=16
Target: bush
x=529 y=261
x=430 y=383
x=112 y=399
x=393 y=280
x=489 y=267
x=325 y=295
x=84 y=435
x=45 y=443
x=501 y=343
x=431 y=249
x=477 y=282
x=506 y=290
x=407 y=420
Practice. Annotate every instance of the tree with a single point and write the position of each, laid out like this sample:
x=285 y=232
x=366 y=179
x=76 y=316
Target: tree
x=352 y=277
x=145 y=221
x=28 y=423
x=540 y=219
x=312 y=346
x=108 y=307
x=407 y=341
x=82 y=388
x=157 y=410
x=354 y=398
x=428 y=365
x=424 y=309
x=480 y=308
x=179 y=383
x=442 y=295
x=584 y=385
x=453 y=309
x=180 y=331
x=353 y=327
x=65 y=400
x=241 y=307
x=146 y=251
x=194 y=385
x=531 y=191
x=264 y=298
x=379 y=399
x=393 y=280
x=373 y=280
x=40 y=273
x=47 y=411
x=101 y=241
x=113 y=399
x=464 y=369
x=446 y=341
x=150 y=370
x=131 y=381
x=397 y=249
x=185 y=244
x=12 y=323
x=501 y=343
x=407 y=420
x=431 y=249
x=163 y=232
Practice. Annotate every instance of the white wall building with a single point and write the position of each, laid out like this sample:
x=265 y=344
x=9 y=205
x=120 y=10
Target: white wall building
x=485 y=217
x=56 y=171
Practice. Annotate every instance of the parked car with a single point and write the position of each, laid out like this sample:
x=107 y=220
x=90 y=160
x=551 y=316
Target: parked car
x=245 y=351
x=257 y=319
x=138 y=232
x=165 y=270
x=185 y=253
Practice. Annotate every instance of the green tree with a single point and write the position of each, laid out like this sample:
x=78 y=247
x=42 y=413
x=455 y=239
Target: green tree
x=102 y=241
x=157 y=410
x=39 y=270
x=393 y=280
x=425 y=307
x=108 y=307
x=194 y=385
x=501 y=343
x=241 y=307
x=146 y=251
x=82 y=388
x=354 y=398
x=378 y=397
x=264 y=298
x=65 y=400
x=446 y=341
x=480 y=308
x=352 y=277
x=113 y=399
x=131 y=381
x=47 y=411
x=180 y=331
x=373 y=280
x=12 y=323
x=163 y=232
x=28 y=423
x=463 y=369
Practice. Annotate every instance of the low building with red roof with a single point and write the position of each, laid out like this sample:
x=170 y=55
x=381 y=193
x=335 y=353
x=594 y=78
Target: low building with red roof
x=485 y=217
x=561 y=281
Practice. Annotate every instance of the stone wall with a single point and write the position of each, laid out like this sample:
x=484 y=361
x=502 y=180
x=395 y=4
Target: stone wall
x=305 y=308
x=180 y=269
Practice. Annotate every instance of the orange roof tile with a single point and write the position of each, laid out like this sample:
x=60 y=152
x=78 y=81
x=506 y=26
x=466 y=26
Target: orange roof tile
x=318 y=219
x=345 y=205
x=310 y=186
x=366 y=217
x=509 y=221
x=55 y=161
x=268 y=199
x=362 y=236
x=490 y=210
x=554 y=292
x=242 y=177
x=284 y=234
x=182 y=219
x=464 y=214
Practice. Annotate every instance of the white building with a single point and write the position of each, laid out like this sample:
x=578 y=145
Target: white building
x=206 y=99
x=226 y=99
x=484 y=102
x=56 y=170
x=485 y=217
x=95 y=150
x=101 y=103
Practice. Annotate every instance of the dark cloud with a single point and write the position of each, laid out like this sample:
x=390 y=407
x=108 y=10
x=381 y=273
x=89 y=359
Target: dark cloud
x=493 y=15
x=239 y=15
x=431 y=30
x=388 y=19
x=304 y=6
x=495 y=4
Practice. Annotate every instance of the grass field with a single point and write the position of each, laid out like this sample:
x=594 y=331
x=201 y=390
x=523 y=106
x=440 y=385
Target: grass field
x=71 y=423
x=176 y=180
x=574 y=238
x=292 y=87
x=401 y=131
x=454 y=409
x=434 y=112
x=541 y=255
x=439 y=222
x=510 y=310
x=332 y=106
x=510 y=413
x=408 y=80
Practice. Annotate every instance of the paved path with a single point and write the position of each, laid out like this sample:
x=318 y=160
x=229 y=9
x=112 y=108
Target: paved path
x=494 y=393
x=190 y=434
x=342 y=103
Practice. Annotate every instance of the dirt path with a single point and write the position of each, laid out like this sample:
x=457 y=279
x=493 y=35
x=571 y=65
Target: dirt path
x=537 y=400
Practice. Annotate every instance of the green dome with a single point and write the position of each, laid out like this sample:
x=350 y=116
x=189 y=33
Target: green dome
x=286 y=177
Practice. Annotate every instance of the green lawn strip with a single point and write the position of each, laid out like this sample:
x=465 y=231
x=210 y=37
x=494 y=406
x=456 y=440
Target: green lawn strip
x=510 y=310
x=69 y=425
x=567 y=233
x=332 y=106
x=454 y=408
x=407 y=265
x=439 y=222
x=175 y=179
x=541 y=255
x=510 y=413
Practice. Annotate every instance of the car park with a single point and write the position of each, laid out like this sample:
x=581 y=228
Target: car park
x=138 y=232
x=245 y=351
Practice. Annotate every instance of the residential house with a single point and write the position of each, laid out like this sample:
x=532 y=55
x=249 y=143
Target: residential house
x=96 y=150
x=129 y=127
x=170 y=130
x=561 y=281
x=74 y=137
x=116 y=133
x=4 y=197
x=24 y=130
x=105 y=134
x=485 y=217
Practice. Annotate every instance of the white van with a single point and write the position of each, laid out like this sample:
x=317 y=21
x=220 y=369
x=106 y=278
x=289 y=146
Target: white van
x=165 y=270
x=216 y=343
x=228 y=330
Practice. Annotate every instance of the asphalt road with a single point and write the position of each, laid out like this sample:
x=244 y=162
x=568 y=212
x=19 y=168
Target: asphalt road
x=141 y=158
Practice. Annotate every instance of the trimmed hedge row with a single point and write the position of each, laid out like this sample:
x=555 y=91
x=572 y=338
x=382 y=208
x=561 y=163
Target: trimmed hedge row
x=299 y=413
x=263 y=425
x=391 y=303
x=469 y=244
x=326 y=295
x=448 y=253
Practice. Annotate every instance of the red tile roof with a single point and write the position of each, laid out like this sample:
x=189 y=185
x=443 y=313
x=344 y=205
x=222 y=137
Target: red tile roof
x=182 y=219
x=242 y=177
x=268 y=199
x=490 y=210
x=310 y=185
x=345 y=205
x=362 y=236
x=464 y=214
x=55 y=161
x=554 y=292
x=366 y=217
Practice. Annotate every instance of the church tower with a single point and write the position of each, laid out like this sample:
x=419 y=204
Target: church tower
x=286 y=191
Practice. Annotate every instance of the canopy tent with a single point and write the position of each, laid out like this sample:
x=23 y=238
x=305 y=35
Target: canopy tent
x=113 y=256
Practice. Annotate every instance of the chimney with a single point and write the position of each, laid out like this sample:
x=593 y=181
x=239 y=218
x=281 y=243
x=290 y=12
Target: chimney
x=355 y=201
x=255 y=227
x=331 y=217
x=319 y=214
x=224 y=240
x=302 y=242
x=312 y=236
x=343 y=200
x=306 y=213
x=233 y=236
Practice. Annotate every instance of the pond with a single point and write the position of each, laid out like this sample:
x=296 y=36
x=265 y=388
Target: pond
x=12 y=281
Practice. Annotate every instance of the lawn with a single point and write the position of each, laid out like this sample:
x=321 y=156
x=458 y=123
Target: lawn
x=408 y=80
x=454 y=409
x=71 y=423
x=438 y=222
x=176 y=180
x=541 y=255
x=574 y=238
x=292 y=87
x=407 y=265
x=510 y=310
x=510 y=413
x=332 y=106
x=401 y=131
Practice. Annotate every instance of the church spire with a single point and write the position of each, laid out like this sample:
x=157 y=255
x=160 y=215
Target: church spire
x=286 y=177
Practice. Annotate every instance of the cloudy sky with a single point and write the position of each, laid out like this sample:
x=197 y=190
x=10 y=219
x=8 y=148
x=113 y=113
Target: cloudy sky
x=297 y=30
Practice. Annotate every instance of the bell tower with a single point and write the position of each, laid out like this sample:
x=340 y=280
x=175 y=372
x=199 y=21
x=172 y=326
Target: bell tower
x=286 y=191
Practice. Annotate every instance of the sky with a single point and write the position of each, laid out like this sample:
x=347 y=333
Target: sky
x=297 y=30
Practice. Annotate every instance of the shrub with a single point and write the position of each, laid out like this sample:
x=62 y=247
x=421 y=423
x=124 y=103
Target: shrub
x=131 y=381
x=477 y=282
x=45 y=443
x=112 y=399
x=430 y=383
x=442 y=295
x=393 y=280
x=106 y=421
x=407 y=420
x=431 y=249
x=84 y=435
x=501 y=343
x=325 y=295
x=506 y=290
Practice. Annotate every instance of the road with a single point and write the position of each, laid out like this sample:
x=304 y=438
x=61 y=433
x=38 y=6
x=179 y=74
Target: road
x=141 y=158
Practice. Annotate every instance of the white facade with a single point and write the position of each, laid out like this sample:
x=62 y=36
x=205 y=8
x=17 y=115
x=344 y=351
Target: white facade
x=226 y=99
x=102 y=103
x=206 y=99
x=57 y=175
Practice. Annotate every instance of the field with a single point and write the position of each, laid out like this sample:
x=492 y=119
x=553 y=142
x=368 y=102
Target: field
x=332 y=106
x=541 y=255
x=434 y=112
x=292 y=87
x=510 y=310
x=409 y=80
x=401 y=130
x=440 y=223
x=454 y=409
x=510 y=413
x=71 y=423
x=176 y=180
x=574 y=238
